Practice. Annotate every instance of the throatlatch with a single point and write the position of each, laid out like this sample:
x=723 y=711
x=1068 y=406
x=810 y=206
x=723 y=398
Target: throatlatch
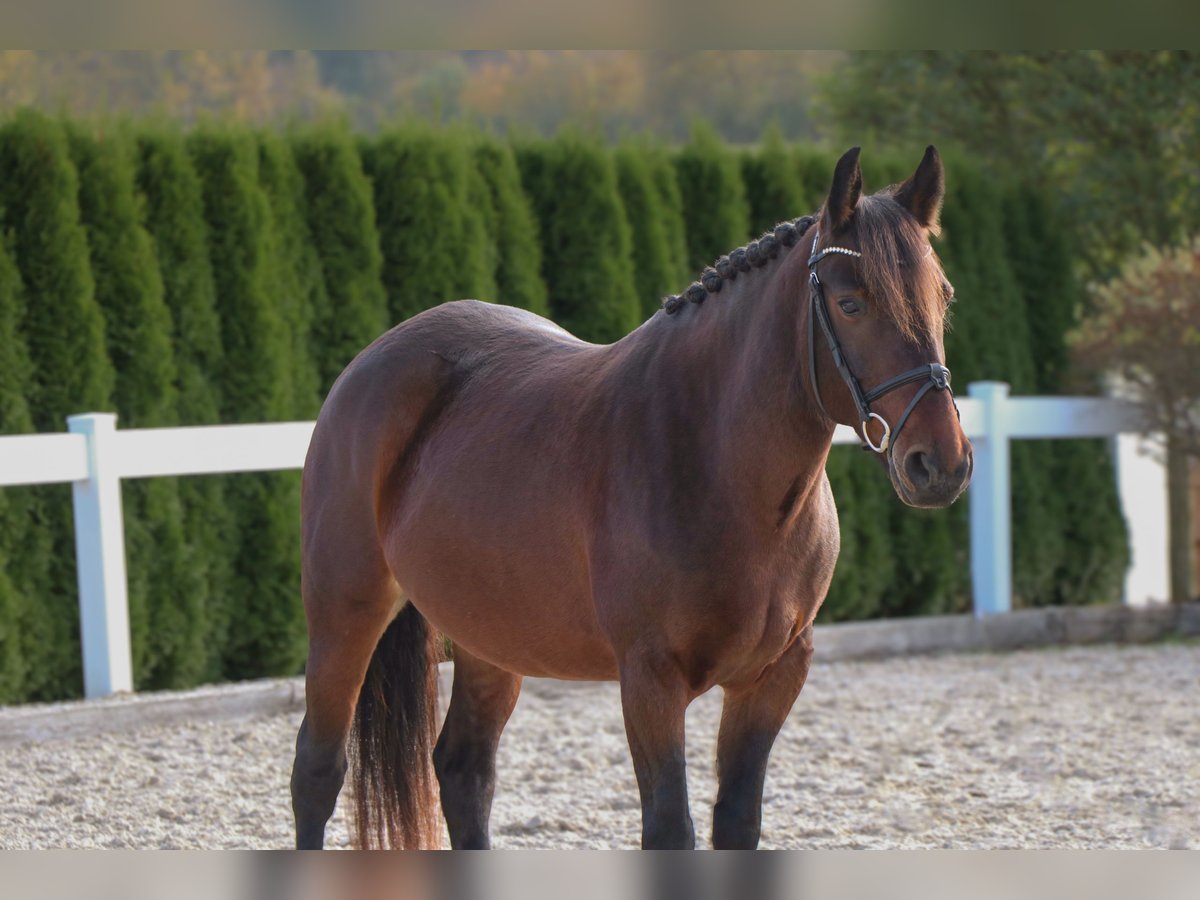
x=934 y=375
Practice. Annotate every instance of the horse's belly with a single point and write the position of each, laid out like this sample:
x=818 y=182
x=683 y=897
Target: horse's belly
x=513 y=593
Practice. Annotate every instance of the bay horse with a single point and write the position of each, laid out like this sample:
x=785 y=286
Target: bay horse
x=654 y=511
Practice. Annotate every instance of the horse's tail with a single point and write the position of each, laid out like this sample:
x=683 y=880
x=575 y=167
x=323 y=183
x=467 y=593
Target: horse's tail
x=395 y=789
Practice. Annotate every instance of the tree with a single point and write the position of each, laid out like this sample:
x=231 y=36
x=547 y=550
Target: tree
x=1113 y=131
x=166 y=611
x=655 y=272
x=989 y=339
x=299 y=282
x=266 y=634
x=18 y=560
x=773 y=188
x=1144 y=327
x=431 y=253
x=173 y=210
x=70 y=370
x=1084 y=505
x=341 y=218
x=514 y=229
x=714 y=199
x=586 y=253
x=670 y=206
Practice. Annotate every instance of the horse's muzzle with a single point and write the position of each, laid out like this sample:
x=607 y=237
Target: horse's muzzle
x=924 y=480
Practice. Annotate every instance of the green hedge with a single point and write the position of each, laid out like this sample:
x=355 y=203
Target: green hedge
x=173 y=207
x=166 y=592
x=587 y=249
x=69 y=372
x=229 y=274
x=17 y=580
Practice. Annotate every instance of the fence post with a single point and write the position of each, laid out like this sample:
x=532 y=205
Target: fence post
x=100 y=561
x=991 y=504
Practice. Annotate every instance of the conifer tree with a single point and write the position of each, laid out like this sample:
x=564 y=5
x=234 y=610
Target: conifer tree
x=299 y=283
x=477 y=276
x=994 y=318
x=814 y=169
x=670 y=206
x=22 y=547
x=173 y=210
x=1084 y=505
x=341 y=219
x=166 y=612
x=63 y=330
x=655 y=273
x=773 y=188
x=266 y=633
x=586 y=253
x=430 y=252
x=513 y=228
x=714 y=198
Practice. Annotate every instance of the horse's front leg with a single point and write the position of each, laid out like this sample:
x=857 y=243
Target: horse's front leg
x=750 y=721
x=654 y=698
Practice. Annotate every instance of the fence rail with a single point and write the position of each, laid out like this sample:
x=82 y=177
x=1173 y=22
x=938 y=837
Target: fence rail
x=94 y=456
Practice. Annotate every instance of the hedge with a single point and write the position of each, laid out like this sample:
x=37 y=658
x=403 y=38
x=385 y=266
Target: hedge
x=652 y=223
x=173 y=215
x=341 y=219
x=514 y=230
x=228 y=275
x=69 y=371
x=16 y=580
x=266 y=630
x=434 y=247
x=166 y=600
x=714 y=198
x=587 y=258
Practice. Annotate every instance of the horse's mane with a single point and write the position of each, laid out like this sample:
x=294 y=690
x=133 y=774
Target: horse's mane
x=898 y=268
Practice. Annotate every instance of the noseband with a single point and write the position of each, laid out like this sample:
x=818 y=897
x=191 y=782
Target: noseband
x=934 y=375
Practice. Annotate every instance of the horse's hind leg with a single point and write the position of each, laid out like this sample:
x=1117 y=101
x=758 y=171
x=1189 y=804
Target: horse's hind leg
x=465 y=756
x=349 y=597
x=750 y=722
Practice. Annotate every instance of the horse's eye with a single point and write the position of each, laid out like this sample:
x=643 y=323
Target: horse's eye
x=850 y=307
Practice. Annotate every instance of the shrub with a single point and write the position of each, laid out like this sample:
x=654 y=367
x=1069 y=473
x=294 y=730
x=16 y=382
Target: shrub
x=715 y=213
x=586 y=253
x=173 y=211
x=266 y=633
x=655 y=271
x=19 y=555
x=341 y=218
x=69 y=369
x=166 y=611
x=513 y=229
x=431 y=251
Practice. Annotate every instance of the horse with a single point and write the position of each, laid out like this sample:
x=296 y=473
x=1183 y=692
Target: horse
x=653 y=511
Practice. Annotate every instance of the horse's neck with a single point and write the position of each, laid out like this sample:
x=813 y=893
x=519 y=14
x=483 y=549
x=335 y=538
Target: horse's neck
x=738 y=362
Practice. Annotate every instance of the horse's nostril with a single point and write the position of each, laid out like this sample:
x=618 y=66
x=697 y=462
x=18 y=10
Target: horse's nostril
x=918 y=469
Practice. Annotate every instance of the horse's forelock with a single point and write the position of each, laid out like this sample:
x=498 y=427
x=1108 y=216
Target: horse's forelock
x=899 y=269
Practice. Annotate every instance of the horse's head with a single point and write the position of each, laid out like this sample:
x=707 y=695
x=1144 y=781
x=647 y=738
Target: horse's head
x=876 y=311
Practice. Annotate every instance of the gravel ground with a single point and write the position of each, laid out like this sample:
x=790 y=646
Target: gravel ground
x=1083 y=747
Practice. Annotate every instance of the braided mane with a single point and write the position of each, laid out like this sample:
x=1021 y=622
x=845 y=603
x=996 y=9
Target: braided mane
x=754 y=255
x=898 y=266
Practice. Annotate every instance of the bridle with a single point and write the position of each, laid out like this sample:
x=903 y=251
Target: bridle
x=934 y=375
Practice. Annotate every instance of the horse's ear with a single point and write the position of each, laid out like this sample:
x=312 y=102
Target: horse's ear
x=845 y=191
x=922 y=194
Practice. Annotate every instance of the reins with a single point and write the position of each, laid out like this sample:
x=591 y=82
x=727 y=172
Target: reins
x=934 y=375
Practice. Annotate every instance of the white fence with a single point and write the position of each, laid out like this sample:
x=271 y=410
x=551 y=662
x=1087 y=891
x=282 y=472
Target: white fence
x=94 y=456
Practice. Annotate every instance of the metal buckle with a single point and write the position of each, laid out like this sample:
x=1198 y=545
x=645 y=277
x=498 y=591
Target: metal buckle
x=887 y=433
